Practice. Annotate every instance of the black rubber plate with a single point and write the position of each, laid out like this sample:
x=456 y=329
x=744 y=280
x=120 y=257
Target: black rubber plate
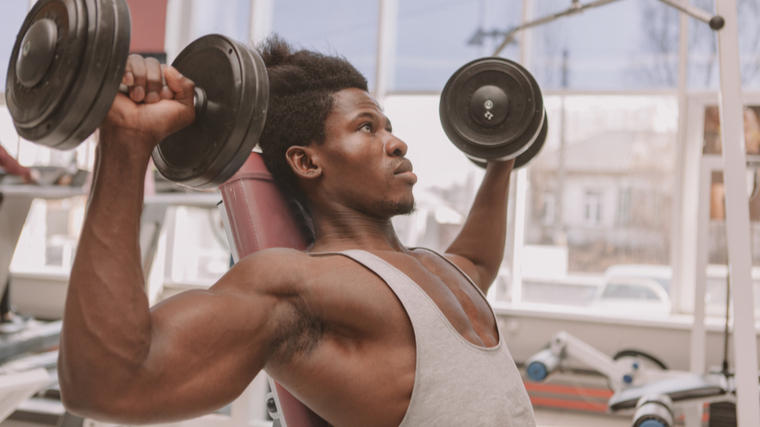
x=528 y=155
x=512 y=135
x=212 y=149
x=74 y=95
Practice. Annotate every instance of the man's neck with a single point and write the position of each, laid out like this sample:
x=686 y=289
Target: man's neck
x=339 y=231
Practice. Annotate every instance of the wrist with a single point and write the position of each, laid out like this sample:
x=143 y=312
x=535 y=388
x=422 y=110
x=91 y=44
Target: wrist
x=127 y=145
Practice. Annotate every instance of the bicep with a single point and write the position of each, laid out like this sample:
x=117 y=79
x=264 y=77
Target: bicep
x=206 y=347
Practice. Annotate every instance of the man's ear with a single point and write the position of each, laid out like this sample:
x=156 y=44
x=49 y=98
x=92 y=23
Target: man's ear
x=302 y=161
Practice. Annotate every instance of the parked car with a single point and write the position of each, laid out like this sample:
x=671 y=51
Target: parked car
x=662 y=274
x=639 y=288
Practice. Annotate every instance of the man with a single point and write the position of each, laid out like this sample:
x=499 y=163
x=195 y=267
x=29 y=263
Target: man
x=11 y=166
x=384 y=336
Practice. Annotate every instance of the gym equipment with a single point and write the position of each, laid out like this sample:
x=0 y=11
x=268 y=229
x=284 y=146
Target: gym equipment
x=654 y=411
x=492 y=110
x=639 y=381
x=66 y=67
x=716 y=22
x=257 y=216
x=626 y=369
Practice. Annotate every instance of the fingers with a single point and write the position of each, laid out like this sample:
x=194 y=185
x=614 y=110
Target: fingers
x=145 y=79
x=166 y=93
x=182 y=88
x=136 y=67
x=154 y=81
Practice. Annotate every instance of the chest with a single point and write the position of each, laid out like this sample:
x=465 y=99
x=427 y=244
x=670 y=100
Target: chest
x=368 y=304
x=365 y=367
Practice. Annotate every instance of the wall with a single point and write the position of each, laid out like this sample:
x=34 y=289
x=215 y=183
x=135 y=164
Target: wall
x=148 y=25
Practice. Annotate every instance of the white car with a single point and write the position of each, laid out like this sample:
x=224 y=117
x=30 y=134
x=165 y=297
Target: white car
x=632 y=294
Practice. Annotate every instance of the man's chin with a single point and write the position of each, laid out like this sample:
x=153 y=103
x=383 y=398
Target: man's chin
x=391 y=208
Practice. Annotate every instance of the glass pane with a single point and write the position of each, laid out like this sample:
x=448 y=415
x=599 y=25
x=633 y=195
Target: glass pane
x=232 y=20
x=436 y=37
x=704 y=70
x=598 y=220
x=628 y=44
x=717 y=269
x=344 y=27
x=11 y=18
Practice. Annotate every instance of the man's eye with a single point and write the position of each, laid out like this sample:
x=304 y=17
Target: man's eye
x=366 y=127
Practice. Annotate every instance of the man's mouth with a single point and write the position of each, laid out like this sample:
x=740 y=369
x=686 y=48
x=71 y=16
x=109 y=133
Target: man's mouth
x=404 y=166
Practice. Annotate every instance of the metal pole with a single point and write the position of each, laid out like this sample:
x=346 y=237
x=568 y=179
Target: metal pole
x=716 y=22
x=559 y=221
x=575 y=8
x=386 y=48
x=737 y=218
x=681 y=150
x=517 y=236
x=260 y=21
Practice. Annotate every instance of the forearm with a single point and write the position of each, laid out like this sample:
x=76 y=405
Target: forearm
x=482 y=239
x=10 y=165
x=107 y=326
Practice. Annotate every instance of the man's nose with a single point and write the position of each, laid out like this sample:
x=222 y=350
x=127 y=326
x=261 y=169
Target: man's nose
x=395 y=147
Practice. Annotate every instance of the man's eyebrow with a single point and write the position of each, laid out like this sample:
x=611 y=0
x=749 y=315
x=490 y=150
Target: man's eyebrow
x=366 y=114
x=374 y=117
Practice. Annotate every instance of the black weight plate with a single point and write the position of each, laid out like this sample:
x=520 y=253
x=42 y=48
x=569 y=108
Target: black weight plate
x=76 y=92
x=528 y=155
x=208 y=152
x=535 y=147
x=507 y=137
x=29 y=107
x=112 y=66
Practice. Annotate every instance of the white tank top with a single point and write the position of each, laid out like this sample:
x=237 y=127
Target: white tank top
x=456 y=382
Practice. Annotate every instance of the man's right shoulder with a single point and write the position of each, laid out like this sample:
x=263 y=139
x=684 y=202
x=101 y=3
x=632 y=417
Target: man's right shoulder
x=275 y=271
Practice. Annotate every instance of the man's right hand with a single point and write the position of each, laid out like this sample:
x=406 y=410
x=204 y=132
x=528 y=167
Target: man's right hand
x=160 y=102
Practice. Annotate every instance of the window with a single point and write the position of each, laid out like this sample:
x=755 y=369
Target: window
x=593 y=208
x=344 y=27
x=11 y=19
x=629 y=44
x=436 y=37
x=616 y=192
x=717 y=244
x=624 y=206
x=703 y=47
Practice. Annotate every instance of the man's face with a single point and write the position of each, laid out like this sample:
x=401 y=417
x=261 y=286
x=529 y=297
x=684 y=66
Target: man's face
x=363 y=164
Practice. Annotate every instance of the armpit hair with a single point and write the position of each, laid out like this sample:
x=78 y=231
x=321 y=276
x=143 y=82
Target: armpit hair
x=298 y=336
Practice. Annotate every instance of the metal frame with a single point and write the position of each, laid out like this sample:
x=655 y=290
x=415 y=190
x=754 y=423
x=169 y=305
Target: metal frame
x=386 y=48
x=737 y=218
x=578 y=7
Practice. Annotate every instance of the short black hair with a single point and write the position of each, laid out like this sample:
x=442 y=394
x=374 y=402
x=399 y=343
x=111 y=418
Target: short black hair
x=301 y=88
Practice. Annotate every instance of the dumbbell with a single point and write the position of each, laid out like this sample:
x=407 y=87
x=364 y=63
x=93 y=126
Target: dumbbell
x=492 y=110
x=66 y=67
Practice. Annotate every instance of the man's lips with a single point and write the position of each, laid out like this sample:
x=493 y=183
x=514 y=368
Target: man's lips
x=404 y=166
x=404 y=169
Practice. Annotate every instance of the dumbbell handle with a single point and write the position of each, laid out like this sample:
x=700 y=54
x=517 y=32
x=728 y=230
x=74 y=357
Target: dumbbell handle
x=200 y=100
